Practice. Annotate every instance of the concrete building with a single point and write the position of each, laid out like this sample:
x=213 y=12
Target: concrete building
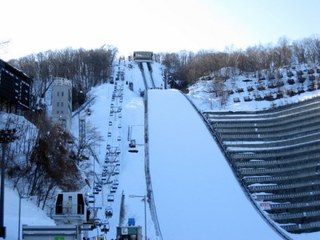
x=62 y=102
x=15 y=89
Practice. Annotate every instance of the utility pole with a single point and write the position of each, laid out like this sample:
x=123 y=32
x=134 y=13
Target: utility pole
x=6 y=136
x=19 y=220
x=144 y=199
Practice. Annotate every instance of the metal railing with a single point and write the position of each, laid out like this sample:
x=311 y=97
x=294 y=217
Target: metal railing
x=291 y=196
x=282 y=178
x=290 y=161
x=150 y=197
x=273 y=187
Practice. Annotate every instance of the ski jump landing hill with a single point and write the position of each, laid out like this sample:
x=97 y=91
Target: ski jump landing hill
x=195 y=191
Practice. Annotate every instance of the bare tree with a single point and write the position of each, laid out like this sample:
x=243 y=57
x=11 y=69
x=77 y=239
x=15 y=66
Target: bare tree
x=218 y=89
x=92 y=140
x=285 y=52
x=299 y=52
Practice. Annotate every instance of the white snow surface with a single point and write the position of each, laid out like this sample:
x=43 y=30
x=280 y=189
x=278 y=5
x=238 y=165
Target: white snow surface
x=30 y=214
x=195 y=192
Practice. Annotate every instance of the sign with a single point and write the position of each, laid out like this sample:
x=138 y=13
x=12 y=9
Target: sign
x=124 y=231
x=265 y=205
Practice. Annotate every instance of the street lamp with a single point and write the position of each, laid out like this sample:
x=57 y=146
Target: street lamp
x=144 y=198
x=6 y=136
x=130 y=129
x=19 y=221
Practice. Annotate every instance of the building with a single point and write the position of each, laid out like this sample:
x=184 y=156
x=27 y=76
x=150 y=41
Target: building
x=15 y=89
x=62 y=102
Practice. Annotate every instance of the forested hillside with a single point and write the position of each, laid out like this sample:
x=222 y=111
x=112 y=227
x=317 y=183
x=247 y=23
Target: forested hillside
x=85 y=68
x=188 y=67
x=46 y=157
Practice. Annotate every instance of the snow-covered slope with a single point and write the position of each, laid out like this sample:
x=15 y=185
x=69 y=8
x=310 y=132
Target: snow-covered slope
x=196 y=195
x=195 y=191
x=250 y=91
x=30 y=213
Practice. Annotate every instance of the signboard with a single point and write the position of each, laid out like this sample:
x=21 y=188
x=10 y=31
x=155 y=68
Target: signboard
x=265 y=205
x=61 y=232
x=124 y=231
x=129 y=232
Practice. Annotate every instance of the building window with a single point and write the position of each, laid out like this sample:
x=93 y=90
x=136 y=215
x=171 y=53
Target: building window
x=58 y=93
x=62 y=93
x=61 y=104
x=58 y=104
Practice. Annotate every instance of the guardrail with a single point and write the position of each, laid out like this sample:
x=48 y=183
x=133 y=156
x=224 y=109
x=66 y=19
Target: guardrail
x=297 y=228
x=277 y=152
x=265 y=171
x=270 y=144
x=302 y=124
x=268 y=122
x=143 y=75
x=268 y=136
x=260 y=119
x=291 y=196
x=266 y=188
x=150 y=197
x=295 y=205
x=277 y=179
x=287 y=216
x=291 y=161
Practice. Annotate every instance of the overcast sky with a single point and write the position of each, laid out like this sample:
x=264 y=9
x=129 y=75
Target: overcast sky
x=157 y=25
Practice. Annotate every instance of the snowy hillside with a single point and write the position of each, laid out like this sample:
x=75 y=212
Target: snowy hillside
x=260 y=90
x=192 y=192
x=195 y=191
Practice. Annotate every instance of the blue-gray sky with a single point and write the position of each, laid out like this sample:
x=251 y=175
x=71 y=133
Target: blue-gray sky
x=157 y=25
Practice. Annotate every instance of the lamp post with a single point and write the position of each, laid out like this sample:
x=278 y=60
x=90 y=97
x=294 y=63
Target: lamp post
x=130 y=129
x=144 y=198
x=19 y=221
x=6 y=136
